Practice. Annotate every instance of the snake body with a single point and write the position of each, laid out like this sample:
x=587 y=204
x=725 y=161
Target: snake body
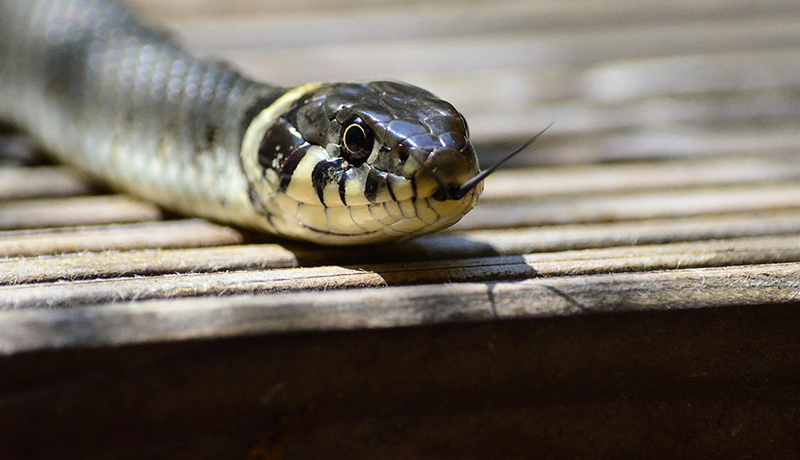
x=330 y=163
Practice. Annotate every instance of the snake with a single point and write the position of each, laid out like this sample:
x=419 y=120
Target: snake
x=332 y=163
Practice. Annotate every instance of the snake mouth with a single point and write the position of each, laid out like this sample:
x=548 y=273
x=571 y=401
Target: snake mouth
x=451 y=170
x=374 y=222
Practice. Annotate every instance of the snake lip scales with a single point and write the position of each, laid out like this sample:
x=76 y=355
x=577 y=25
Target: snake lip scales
x=329 y=163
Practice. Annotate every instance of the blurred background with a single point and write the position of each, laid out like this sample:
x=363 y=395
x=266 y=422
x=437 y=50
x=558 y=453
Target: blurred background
x=623 y=79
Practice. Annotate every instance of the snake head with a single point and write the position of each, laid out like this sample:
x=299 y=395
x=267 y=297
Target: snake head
x=354 y=163
x=396 y=129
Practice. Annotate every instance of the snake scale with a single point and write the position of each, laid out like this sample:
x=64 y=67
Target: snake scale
x=329 y=163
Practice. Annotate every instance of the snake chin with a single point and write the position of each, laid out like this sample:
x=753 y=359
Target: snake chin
x=369 y=223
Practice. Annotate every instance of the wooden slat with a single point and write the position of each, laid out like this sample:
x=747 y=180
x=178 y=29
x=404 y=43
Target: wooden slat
x=595 y=118
x=619 y=82
x=39 y=182
x=647 y=205
x=143 y=262
x=27 y=330
x=64 y=212
x=681 y=141
x=452 y=246
x=270 y=28
x=705 y=254
x=544 y=182
x=521 y=50
x=488 y=243
x=188 y=233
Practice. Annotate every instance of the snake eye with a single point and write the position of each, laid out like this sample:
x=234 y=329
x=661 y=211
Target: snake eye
x=357 y=139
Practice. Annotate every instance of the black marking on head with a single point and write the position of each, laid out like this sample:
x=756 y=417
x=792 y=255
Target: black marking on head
x=326 y=172
x=389 y=188
x=259 y=106
x=343 y=185
x=413 y=188
x=279 y=141
x=372 y=185
x=289 y=165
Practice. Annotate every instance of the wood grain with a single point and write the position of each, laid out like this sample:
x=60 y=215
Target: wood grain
x=188 y=233
x=31 y=329
x=57 y=212
x=40 y=182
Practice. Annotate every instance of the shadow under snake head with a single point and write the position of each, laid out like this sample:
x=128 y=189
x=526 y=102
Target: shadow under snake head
x=359 y=163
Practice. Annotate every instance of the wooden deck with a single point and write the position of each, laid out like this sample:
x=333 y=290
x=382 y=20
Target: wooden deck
x=629 y=288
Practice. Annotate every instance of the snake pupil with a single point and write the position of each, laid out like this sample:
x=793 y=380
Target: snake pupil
x=357 y=139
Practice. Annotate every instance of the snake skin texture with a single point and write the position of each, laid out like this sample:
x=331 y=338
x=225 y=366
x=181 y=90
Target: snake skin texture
x=125 y=104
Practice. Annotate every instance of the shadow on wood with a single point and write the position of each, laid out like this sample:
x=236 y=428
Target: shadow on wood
x=691 y=384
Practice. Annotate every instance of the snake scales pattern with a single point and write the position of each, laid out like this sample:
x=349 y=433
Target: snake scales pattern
x=330 y=163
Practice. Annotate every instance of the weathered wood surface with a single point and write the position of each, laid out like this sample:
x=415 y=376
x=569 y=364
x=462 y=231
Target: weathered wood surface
x=628 y=289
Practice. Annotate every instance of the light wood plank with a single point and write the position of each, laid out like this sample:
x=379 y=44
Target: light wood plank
x=369 y=60
x=39 y=182
x=546 y=182
x=639 y=206
x=143 y=262
x=173 y=234
x=277 y=28
x=704 y=254
x=488 y=243
x=678 y=141
x=73 y=211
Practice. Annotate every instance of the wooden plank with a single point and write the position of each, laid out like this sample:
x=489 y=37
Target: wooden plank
x=596 y=118
x=619 y=82
x=693 y=383
x=65 y=212
x=704 y=254
x=553 y=14
x=172 y=234
x=39 y=182
x=175 y=320
x=448 y=246
x=679 y=141
x=143 y=262
x=546 y=182
x=368 y=60
x=273 y=27
x=645 y=205
x=489 y=243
